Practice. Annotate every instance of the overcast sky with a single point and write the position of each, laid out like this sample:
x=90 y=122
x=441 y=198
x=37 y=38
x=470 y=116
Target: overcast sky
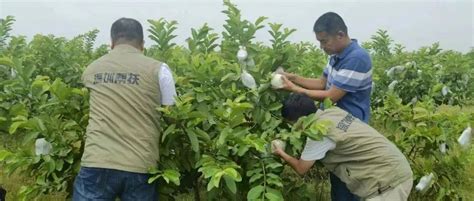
x=413 y=23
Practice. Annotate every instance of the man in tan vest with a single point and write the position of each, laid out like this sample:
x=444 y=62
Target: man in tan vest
x=122 y=137
x=372 y=167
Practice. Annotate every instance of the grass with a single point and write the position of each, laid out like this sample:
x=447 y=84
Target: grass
x=14 y=182
x=467 y=191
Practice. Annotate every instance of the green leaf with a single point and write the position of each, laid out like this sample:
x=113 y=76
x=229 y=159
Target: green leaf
x=69 y=159
x=59 y=165
x=171 y=175
x=245 y=105
x=152 y=179
x=18 y=110
x=233 y=174
x=260 y=20
x=51 y=165
x=215 y=180
x=4 y=154
x=222 y=137
x=273 y=195
x=168 y=130
x=60 y=90
x=78 y=91
x=255 y=177
x=327 y=103
x=441 y=194
x=255 y=192
x=6 y=62
x=274 y=106
x=274 y=165
x=29 y=137
x=228 y=76
x=242 y=150
x=230 y=183
x=268 y=116
x=194 y=141
x=308 y=121
x=15 y=126
x=209 y=171
x=420 y=113
x=275 y=182
x=40 y=124
x=254 y=171
x=202 y=135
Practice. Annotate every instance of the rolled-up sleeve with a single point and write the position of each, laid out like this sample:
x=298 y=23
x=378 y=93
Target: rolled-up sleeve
x=316 y=150
x=167 y=85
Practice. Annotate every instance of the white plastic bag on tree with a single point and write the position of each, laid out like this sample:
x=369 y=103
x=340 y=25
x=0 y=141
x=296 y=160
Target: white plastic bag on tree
x=424 y=182
x=242 y=54
x=465 y=138
x=414 y=100
x=13 y=73
x=442 y=148
x=390 y=72
x=42 y=147
x=399 y=69
x=248 y=80
x=373 y=88
x=277 y=81
x=410 y=64
x=396 y=69
x=391 y=86
x=280 y=70
x=278 y=144
x=445 y=90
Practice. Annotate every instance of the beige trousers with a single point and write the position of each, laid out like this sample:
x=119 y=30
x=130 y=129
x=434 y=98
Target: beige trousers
x=398 y=193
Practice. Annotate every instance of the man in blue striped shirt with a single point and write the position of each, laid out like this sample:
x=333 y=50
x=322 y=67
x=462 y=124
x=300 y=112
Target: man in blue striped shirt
x=347 y=80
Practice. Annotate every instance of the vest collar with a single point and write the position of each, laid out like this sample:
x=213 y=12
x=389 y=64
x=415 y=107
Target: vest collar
x=125 y=48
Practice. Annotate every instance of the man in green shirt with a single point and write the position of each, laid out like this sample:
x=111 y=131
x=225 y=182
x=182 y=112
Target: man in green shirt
x=372 y=167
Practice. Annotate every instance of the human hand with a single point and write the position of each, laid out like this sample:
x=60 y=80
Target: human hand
x=287 y=84
x=278 y=147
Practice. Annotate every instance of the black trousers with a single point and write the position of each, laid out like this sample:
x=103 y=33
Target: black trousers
x=339 y=191
x=3 y=194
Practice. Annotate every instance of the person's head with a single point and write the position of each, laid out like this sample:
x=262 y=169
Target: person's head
x=331 y=32
x=296 y=106
x=127 y=31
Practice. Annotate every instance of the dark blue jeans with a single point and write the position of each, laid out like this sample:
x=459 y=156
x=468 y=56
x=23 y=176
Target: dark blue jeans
x=3 y=194
x=339 y=191
x=99 y=184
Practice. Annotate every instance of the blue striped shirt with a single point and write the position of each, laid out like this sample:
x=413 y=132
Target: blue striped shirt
x=351 y=71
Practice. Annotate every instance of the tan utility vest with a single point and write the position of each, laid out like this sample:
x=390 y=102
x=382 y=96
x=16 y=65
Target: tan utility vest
x=123 y=131
x=363 y=158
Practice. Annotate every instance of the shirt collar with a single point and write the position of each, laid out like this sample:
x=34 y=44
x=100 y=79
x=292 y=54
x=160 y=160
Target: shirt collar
x=353 y=44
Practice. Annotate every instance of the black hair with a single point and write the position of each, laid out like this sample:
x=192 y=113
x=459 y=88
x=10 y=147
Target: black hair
x=296 y=106
x=127 y=29
x=330 y=23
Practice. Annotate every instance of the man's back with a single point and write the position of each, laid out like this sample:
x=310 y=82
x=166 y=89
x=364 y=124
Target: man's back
x=123 y=127
x=363 y=158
